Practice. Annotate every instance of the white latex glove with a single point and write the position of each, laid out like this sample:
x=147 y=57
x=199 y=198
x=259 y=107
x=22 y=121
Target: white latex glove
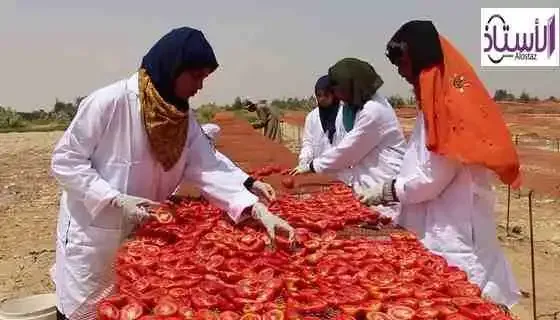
x=370 y=196
x=135 y=210
x=300 y=169
x=265 y=190
x=271 y=222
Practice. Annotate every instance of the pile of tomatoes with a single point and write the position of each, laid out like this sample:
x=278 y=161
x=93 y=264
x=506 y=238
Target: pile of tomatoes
x=192 y=263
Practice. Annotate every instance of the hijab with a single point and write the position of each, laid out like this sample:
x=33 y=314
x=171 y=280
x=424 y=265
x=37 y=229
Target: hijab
x=360 y=79
x=328 y=114
x=165 y=116
x=462 y=120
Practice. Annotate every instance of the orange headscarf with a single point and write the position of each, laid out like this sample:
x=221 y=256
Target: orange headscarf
x=463 y=122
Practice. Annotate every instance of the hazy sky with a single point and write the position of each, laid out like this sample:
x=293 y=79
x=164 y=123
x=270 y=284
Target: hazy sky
x=265 y=48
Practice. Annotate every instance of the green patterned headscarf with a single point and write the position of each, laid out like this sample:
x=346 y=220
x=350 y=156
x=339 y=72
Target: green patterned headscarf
x=359 y=79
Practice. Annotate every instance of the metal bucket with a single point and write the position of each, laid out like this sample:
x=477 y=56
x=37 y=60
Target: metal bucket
x=36 y=307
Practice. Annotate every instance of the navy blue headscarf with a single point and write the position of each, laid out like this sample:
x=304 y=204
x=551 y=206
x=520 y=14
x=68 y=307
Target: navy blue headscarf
x=179 y=50
x=327 y=114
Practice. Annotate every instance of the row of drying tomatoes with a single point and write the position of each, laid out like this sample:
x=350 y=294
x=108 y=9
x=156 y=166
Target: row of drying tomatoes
x=190 y=263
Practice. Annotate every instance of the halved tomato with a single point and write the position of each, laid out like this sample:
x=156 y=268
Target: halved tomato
x=215 y=262
x=251 y=316
x=274 y=314
x=446 y=309
x=166 y=307
x=426 y=313
x=400 y=312
x=377 y=316
x=229 y=315
x=107 y=311
x=131 y=311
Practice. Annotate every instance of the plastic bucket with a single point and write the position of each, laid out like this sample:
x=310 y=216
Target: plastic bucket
x=37 y=307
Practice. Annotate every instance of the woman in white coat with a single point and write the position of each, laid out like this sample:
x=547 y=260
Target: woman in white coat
x=129 y=145
x=323 y=127
x=445 y=184
x=373 y=147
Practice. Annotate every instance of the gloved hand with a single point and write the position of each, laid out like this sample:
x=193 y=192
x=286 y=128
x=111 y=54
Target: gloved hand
x=264 y=189
x=370 y=196
x=300 y=169
x=271 y=222
x=135 y=210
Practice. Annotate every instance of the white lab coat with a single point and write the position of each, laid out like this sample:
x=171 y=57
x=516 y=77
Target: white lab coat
x=373 y=149
x=315 y=142
x=104 y=152
x=449 y=206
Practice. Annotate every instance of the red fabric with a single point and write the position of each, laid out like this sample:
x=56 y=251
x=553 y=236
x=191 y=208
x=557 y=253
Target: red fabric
x=463 y=122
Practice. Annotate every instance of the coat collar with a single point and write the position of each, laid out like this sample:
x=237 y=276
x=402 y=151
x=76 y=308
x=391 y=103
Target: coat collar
x=132 y=84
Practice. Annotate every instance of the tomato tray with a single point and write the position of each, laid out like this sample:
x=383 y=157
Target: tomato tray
x=190 y=262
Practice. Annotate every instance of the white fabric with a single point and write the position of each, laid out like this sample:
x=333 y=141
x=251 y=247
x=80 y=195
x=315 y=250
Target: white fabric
x=105 y=152
x=315 y=142
x=373 y=149
x=211 y=130
x=450 y=207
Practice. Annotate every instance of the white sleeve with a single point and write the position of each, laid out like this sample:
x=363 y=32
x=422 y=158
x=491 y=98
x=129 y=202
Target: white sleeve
x=71 y=164
x=356 y=144
x=306 y=152
x=428 y=181
x=222 y=157
x=219 y=181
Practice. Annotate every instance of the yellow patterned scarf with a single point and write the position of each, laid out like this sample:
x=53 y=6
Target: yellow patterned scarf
x=165 y=125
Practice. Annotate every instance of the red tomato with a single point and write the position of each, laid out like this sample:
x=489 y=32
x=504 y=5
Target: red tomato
x=466 y=301
x=215 y=262
x=229 y=315
x=166 y=307
x=186 y=312
x=481 y=311
x=163 y=216
x=464 y=289
x=288 y=183
x=446 y=309
x=107 y=311
x=457 y=316
x=374 y=305
x=205 y=314
x=400 y=312
x=178 y=292
x=131 y=311
x=408 y=302
x=426 y=313
x=266 y=274
x=251 y=316
x=274 y=314
x=377 y=316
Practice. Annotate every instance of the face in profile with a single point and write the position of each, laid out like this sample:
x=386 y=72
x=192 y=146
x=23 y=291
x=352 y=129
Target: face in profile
x=189 y=82
x=324 y=98
x=405 y=68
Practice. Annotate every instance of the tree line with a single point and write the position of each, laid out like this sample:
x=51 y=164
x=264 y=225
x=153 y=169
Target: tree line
x=61 y=113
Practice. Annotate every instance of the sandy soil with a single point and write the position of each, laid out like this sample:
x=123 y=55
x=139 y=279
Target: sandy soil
x=29 y=201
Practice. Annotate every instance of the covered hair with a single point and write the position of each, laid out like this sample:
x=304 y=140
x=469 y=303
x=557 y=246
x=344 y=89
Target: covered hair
x=327 y=114
x=462 y=120
x=179 y=50
x=357 y=77
x=323 y=83
x=421 y=39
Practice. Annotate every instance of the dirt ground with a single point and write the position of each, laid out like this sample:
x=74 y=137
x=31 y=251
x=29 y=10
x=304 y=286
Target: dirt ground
x=29 y=204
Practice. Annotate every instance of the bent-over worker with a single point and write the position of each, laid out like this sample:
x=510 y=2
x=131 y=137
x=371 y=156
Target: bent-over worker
x=130 y=144
x=460 y=138
x=268 y=118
